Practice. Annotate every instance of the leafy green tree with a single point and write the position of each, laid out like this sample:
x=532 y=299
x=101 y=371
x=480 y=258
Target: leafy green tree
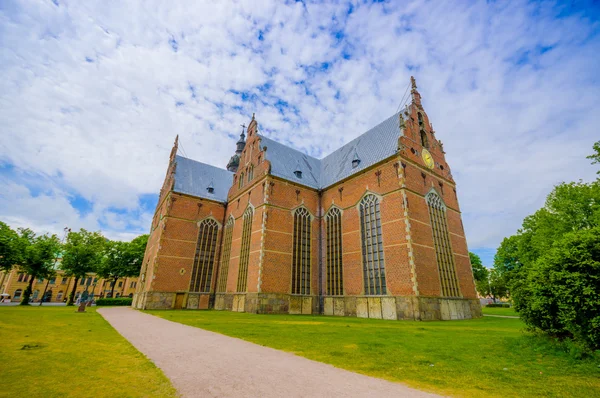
x=10 y=248
x=122 y=259
x=38 y=257
x=561 y=295
x=82 y=254
x=498 y=285
x=480 y=274
x=596 y=156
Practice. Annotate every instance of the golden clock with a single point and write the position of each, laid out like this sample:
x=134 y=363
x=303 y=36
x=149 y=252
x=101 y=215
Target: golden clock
x=427 y=158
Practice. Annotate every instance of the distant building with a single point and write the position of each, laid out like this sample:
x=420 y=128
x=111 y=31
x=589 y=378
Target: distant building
x=371 y=230
x=59 y=287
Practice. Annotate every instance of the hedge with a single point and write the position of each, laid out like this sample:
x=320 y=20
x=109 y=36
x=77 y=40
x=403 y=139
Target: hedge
x=122 y=301
x=498 y=305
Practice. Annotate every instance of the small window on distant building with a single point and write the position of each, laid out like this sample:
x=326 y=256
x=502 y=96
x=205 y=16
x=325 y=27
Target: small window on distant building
x=17 y=294
x=121 y=284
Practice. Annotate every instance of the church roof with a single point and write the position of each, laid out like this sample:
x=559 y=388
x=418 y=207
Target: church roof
x=371 y=147
x=194 y=178
x=285 y=160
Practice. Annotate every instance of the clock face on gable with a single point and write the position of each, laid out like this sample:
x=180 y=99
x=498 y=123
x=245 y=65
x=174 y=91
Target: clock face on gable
x=427 y=158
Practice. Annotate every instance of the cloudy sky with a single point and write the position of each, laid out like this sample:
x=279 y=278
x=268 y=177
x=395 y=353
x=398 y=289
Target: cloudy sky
x=92 y=95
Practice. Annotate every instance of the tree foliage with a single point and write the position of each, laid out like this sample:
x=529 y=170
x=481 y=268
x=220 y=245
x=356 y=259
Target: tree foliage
x=10 y=247
x=480 y=274
x=550 y=268
x=561 y=292
x=38 y=257
x=82 y=254
x=595 y=157
x=122 y=259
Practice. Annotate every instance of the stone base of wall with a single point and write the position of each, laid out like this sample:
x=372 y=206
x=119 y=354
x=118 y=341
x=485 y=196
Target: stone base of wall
x=403 y=308
x=267 y=303
x=167 y=301
x=391 y=307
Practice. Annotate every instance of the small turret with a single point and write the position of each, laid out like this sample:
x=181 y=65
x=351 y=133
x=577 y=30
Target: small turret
x=234 y=162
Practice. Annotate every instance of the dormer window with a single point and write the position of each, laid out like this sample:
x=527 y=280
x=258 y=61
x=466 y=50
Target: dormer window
x=210 y=188
x=298 y=171
x=355 y=160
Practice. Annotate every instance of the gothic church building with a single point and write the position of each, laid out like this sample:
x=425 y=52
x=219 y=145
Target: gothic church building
x=372 y=230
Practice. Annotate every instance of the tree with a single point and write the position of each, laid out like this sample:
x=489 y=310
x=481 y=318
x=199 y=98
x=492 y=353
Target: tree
x=561 y=295
x=596 y=156
x=37 y=258
x=10 y=248
x=480 y=274
x=122 y=259
x=81 y=255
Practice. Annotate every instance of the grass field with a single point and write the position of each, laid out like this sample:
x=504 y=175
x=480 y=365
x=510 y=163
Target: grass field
x=487 y=357
x=56 y=352
x=500 y=311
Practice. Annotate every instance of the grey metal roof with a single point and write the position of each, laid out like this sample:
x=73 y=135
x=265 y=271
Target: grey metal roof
x=285 y=160
x=193 y=178
x=375 y=145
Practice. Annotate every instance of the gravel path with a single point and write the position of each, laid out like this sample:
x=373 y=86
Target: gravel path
x=206 y=364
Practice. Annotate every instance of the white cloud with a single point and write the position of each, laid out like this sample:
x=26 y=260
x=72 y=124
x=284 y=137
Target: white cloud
x=89 y=92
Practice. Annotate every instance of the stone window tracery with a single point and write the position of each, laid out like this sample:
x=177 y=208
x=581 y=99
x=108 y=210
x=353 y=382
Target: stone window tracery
x=242 y=283
x=301 y=252
x=205 y=256
x=225 y=256
x=441 y=242
x=372 y=246
x=335 y=280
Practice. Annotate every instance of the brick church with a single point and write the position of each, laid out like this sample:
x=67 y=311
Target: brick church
x=371 y=230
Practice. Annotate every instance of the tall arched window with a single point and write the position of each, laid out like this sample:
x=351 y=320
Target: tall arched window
x=242 y=283
x=441 y=242
x=335 y=280
x=241 y=182
x=205 y=256
x=372 y=246
x=424 y=140
x=301 y=252
x=250 y=173
x=225 y=256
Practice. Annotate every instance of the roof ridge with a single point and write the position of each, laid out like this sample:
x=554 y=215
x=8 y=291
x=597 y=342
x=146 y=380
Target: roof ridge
x=202 y=163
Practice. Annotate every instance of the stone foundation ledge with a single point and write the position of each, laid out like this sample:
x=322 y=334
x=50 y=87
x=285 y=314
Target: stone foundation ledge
x=166 y=300
x=267 y=303
x=402 y=308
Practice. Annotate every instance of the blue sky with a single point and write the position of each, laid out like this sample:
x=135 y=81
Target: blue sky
x=93 y=93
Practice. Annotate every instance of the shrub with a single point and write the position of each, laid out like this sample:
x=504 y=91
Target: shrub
x=122 y=301
x=499 y=305
x=561 y=294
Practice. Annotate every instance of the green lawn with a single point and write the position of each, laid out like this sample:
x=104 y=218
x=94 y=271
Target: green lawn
x=500 y=311
x=56 y=352
x=482 y=357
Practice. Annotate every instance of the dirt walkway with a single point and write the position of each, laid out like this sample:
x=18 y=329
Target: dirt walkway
x=206 y=364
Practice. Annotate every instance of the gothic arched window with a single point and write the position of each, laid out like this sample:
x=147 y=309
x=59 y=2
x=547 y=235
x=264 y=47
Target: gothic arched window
x=372 y=246
x=424 y=140
x=335 y=280
x=242 y=282
x=441 y=242
x=250 y=173
x=205 y=256
x=225 y=256
x=241 y=182
x=301 y=252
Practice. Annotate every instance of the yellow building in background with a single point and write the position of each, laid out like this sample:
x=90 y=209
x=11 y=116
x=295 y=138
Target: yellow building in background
x=58 y=288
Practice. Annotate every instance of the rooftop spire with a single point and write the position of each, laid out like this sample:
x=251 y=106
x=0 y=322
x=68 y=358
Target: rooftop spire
x=416 y=97
x=175 y=148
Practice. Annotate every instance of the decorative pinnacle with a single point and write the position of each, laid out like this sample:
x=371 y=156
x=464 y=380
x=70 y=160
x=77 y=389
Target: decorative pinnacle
x=252 y=115
x=413 y=83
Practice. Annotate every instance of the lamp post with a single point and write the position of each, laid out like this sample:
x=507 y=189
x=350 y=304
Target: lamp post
x=66 y=230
